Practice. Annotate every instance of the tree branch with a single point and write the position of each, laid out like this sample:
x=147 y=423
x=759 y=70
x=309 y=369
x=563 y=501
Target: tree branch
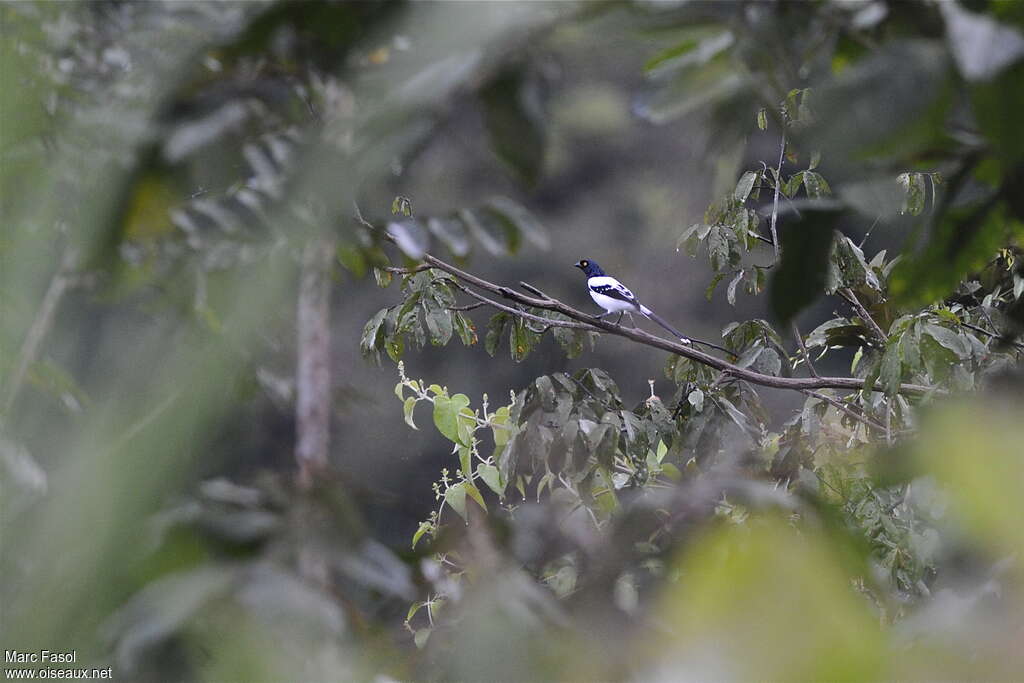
x=852 y=299
x=585 y=321
x=992 y=334
x=777 y=246
x=803 y=349
x=548 y=322
x=775 y=202
x=839 y=405
x=59 y=284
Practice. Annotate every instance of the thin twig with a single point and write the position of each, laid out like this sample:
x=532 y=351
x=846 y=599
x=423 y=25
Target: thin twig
x=803 y=349
x=839 y=405
x=778 y=247
x=40 y=327
x=868 y=233
x=406 y=271
x=359 y=217
x=524 y=314
x=775 y=203
x=996 y=335
x=888 y=422
x=852 y=299
x=467 y=307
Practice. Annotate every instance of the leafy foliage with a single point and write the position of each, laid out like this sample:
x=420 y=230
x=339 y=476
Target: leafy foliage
x=190 y=154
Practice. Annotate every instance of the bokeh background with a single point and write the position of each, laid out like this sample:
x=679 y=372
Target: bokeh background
x=165 y=168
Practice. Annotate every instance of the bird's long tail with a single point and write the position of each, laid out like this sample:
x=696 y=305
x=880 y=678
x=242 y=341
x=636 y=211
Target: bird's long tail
x=651 y=315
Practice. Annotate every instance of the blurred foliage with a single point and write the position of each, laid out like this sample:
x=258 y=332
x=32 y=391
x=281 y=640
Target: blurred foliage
x=165 y=165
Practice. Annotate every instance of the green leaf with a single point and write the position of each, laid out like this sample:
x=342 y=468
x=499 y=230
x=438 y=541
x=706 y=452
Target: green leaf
x=949 y=339
x=473 y=492
x=696 y=399
x=421 y=637
x=815 y=160
x=513 y=116
x=466 y=422
x=492 y=477
x=465 y=328
x=856 y=359
x=719 y=247
x=710 y=291
x=913 y=192
x=817 y=187
x=416 y=606
x=455 y=497
x=678 y=50
x=373 y=333
x=495 y=331
x=792 y=186
x=852 y=270
x=661 y=451
x=424 y=528
x=446 y=415
x=401 y=205
x=383 y=277
x=353 y=260
x=407 y=409
x=745 y=185
x=689 y=53
x=691 y=238
x=501 y=429
x=572 y=341
x=521 y=340
x=730 y=292
x=671 y=471
x=439 y=325
x=762 y=118
x=890 y=372
x=394 y=347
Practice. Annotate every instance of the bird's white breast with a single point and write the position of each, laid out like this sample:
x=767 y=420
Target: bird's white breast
x=606 y=302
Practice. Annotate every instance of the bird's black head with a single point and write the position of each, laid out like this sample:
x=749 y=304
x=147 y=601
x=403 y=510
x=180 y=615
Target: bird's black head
x=589 y=267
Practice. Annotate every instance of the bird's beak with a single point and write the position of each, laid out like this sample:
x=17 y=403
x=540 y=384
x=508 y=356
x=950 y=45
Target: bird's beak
x=578 y=265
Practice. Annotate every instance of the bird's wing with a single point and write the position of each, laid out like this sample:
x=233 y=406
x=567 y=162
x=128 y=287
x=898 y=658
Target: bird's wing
x=611 y=288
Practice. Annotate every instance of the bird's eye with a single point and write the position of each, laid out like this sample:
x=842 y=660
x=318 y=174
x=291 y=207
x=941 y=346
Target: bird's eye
x=584 y=263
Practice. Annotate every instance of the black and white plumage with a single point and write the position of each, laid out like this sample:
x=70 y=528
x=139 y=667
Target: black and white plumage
x=614 y=297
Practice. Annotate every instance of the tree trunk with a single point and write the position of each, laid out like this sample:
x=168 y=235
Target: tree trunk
x=313 y=371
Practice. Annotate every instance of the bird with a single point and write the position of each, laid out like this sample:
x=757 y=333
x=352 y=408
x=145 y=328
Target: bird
x=614 y=297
